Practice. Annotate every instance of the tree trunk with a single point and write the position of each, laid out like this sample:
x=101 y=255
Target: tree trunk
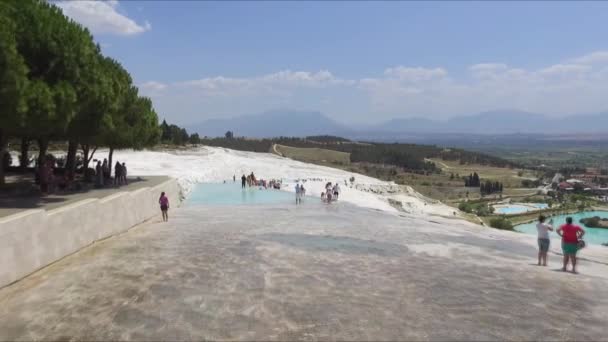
x=110 y=161
x=43 y=146
x=92 y=154
x=85 y=157
x=86 y=148
x=70 y=162
x=3 y=140
x=24 y=158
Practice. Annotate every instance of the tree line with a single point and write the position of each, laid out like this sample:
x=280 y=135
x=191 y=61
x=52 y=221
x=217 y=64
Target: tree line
x=57 y=86
x=410 y=157
x=485 y=188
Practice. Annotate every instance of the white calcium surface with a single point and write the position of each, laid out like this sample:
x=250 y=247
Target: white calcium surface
x=212 y=165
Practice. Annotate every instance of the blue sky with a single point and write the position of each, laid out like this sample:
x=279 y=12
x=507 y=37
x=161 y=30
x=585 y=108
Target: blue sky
x=357 y=62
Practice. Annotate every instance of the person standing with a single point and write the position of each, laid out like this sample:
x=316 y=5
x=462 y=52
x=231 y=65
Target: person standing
x=164 y=206
x=298 y=195
x=99 y=175
x=117 y=173
x=570 y=234
x=543 y=239
x=243 y=181
x=233 y=178
x=123 y=170
x=105 y=169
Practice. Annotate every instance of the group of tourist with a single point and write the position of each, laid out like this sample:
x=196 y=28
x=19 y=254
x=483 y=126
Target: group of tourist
x=252 y=181
x=331 y=192
x=247 y=180
x=103 y=175
x=572 y=242
x=300 y=193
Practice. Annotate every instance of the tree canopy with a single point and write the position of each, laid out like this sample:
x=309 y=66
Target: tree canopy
x=55 y=85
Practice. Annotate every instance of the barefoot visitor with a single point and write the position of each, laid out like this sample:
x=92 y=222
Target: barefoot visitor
x=571 y=235
x=164 y=206
x=543 y=239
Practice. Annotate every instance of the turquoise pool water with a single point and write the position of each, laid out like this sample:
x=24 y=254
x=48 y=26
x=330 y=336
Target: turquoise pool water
x=593 y=235
x=232 y=194
x=519 y=209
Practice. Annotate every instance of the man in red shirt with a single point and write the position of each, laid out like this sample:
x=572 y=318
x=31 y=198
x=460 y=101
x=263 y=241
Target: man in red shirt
x=570 y=234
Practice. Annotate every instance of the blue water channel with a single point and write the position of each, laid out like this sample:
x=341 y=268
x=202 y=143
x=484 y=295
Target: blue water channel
x=592 y=235
x=232 y=194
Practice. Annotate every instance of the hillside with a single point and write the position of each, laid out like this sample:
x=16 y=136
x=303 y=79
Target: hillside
x=312 y=154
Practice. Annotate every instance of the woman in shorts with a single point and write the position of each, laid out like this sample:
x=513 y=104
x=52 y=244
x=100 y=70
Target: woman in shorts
x=571 y=234
x=164 y=206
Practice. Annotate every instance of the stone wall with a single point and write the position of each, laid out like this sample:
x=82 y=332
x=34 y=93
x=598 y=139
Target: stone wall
x=33 y=239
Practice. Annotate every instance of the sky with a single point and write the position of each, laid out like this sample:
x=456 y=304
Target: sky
x=356 y=62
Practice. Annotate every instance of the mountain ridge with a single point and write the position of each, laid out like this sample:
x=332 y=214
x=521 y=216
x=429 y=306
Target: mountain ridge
x=289 y=122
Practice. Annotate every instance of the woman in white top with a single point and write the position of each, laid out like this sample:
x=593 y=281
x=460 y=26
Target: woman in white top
x=543 y=239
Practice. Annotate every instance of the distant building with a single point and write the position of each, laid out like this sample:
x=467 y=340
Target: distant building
x=557 y=178
x=565 y=186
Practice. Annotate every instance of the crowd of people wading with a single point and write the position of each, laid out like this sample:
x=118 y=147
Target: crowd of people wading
x=251 y=181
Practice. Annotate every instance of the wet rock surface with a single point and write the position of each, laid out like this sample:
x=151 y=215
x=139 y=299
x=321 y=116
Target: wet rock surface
x=312 y=272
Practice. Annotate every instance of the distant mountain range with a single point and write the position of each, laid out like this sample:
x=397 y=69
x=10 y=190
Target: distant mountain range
x=276 y=123
x=501 y=122
x=302 y=123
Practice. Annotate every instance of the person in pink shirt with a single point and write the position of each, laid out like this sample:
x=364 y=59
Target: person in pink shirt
x=164 y=206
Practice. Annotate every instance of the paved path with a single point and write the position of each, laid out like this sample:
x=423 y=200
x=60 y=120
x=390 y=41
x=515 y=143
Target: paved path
x=313 y=272
x=10 y=204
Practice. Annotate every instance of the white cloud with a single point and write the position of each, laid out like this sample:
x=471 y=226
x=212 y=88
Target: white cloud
x=555 y=89
x=416 y=74
x=592 y=58
x=153 y=86
x=278 y=82
x=488 y=67
x=563 y=69
x=102 y=17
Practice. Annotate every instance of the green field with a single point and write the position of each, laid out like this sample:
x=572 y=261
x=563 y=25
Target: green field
x=509 y=177
x=312 y=155
x=555 y=157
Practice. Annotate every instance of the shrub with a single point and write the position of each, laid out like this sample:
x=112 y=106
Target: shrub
x=483 y=209
x=501 y=223
x=466 y=207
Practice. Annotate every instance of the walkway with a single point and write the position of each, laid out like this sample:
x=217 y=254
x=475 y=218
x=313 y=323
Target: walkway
x=10 y=204
x=314 y=272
